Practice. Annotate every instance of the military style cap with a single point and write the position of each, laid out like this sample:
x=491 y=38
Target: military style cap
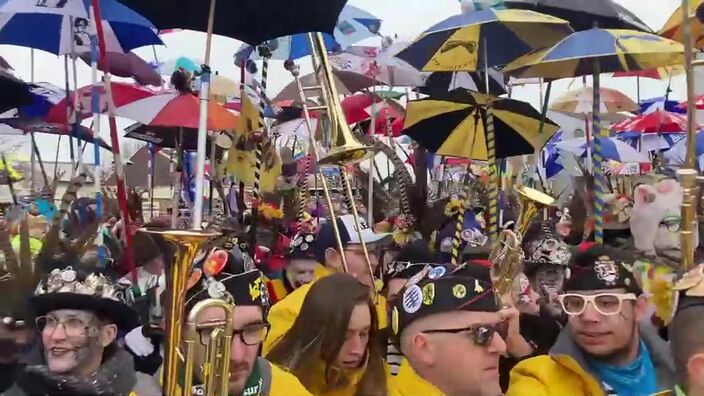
x=436 y=290
x=247 y=289
x=597 y=269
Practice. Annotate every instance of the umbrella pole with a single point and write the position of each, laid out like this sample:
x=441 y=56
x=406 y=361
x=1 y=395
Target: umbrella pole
x=600 y=182
x=491 y=156
x=115 y=142
x=32 y=155
x=35 y=152
x=197 y=214
x=67 y=87
x=150 y=178
x=95 y=103
x=176 y=198
x=370 y=182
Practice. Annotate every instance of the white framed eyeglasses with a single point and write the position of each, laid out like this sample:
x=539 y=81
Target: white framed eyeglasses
x=605 y=303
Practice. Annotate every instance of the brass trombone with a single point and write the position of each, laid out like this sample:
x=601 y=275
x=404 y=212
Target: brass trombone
x=345 y=149
x=507 y=253
x=179 y=351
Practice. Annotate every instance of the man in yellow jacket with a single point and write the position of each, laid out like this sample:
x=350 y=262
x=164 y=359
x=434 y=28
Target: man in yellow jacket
x=284 y=313
x=250 y=374
x=604 y=350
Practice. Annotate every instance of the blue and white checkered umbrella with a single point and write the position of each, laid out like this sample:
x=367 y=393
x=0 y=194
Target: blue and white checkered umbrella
x=611 y=148
x=353 y=26
x=62 y=26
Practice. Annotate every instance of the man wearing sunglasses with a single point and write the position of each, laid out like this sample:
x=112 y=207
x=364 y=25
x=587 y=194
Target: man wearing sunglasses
x=603 y=350
x=250 y=374
x=449 y=328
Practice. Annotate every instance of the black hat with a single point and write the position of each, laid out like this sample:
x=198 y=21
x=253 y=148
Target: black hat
x=302 y=246
x=67 y=289
x=246 y=289
x=599 y=269
x=542 y=247
x=434 y=290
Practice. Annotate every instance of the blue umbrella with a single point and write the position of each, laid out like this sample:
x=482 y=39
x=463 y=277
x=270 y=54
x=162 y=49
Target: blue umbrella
x=44 y=29
x=284 y=48
x=611 y=149
x=660 y=103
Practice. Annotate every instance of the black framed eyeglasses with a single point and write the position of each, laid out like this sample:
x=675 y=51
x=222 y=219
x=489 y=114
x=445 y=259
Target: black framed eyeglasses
x=672 y=223
x=481 y=334
x=250 y=335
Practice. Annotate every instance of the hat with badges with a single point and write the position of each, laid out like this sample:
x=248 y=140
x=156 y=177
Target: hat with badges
x=690 y=289
x=598 y=268
x=429 y=293
x=302 y=246
x=542 y=247
x=69 y=289
x=248 y=288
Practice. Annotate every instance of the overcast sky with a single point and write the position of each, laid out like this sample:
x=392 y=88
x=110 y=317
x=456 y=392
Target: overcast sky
x=407 y=18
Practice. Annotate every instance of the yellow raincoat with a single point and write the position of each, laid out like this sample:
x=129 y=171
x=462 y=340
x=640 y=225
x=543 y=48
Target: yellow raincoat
x=408 y=383
x=285 y=383
x=284 y=313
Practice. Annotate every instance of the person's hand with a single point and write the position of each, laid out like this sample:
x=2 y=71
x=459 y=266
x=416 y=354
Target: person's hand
x=516 y=345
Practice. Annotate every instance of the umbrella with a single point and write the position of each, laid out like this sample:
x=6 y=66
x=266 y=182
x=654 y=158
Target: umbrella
x=453 y=124
x=678 y=152
x=614 y=49
x=582 y=14
x=581 y=101
x=439 y=82
x=659 y=121
x=164 y=136
x=463 y=42
x=612 y=149
x=660 y=73
x=672 y=29
x=61 y=34
x=284 y=48
x=175 y=109
x=345 y=82
x=29 y=126
x=358 y=107
x=662 y=103
x=4 y=65
x=253 y=22
x=379 y=63
x=220 y=86
x=127 y=65
x=698 y=103
x=15 y=92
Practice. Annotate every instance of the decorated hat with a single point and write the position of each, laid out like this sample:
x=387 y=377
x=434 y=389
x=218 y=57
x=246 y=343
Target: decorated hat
x=246 y=289
x=302 y=246
x=68 y=289
x=690 y=289
x=540 y=246
x=598 y=268
x=433 y=290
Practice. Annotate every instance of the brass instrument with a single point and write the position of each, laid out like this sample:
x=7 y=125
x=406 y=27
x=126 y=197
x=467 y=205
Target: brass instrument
x=179 y=351
x=507 y=253
x=345 y=149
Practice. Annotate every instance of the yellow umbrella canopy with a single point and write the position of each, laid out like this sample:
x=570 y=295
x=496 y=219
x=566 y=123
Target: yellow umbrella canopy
x=673 y=27
x=454 y=124
x=581 y=101
x=616 y=50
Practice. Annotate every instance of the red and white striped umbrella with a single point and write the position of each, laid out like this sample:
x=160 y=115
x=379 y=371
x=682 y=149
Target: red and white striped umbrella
x=176 y=109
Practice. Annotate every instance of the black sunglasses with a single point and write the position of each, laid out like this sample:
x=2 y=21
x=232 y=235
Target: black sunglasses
x=481 y=334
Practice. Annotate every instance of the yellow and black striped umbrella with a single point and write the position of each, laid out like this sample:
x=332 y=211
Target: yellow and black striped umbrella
x=673 y=27
x=455 y=125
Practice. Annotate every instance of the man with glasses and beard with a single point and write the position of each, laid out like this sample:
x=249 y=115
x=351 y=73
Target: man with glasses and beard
x=603 y=350
x=450 y=329
x=250 y=374
x=78 y=318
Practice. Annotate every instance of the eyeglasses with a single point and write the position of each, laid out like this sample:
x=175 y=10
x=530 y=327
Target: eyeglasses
x=481 y=334
x=74 y=327
x=605 y=303
x=250 y=335
x=672 y=223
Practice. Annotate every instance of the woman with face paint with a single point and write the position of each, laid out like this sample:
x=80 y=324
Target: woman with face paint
x=78 y=318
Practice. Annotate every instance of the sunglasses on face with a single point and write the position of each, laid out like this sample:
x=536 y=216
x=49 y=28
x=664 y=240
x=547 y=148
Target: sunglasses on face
x=481 y=334
x=605 y=303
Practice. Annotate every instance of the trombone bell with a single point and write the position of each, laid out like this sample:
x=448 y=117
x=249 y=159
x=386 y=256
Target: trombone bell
x=347 y=150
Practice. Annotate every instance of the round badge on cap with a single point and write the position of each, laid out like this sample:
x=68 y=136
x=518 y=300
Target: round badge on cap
x=68 y=276
x=309 y=238
x=412 y=299
x=216 y=289
x=437 y=272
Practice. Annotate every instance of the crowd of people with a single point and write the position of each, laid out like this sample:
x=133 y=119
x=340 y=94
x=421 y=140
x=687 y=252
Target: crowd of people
x=577 y=320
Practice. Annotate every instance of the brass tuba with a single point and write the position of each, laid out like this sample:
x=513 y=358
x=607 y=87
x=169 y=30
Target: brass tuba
x=179 y=358
x=507 y=253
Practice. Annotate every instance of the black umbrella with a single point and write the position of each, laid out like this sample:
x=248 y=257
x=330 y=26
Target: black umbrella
x=251 y=21
x=13 y=92
x=164 y=136
x=583 y=14
x=439 y=83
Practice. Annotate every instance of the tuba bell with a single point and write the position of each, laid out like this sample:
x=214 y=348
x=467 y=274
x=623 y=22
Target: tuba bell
x=507 y=253
x=182 y=328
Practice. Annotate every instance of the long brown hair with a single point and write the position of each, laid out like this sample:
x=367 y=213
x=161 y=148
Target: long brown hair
x=319 y=333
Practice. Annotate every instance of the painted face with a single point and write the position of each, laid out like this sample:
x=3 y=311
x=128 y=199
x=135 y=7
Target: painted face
x=300 y=271
x=71 y=340
x=354 y=349
x=548 y=281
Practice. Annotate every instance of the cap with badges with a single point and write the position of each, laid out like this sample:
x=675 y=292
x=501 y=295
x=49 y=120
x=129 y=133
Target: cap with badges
x=690 y=289
x=301 y=246
x=542 y=247
x=436 y=290
x=211 y=281
x=597 y=269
